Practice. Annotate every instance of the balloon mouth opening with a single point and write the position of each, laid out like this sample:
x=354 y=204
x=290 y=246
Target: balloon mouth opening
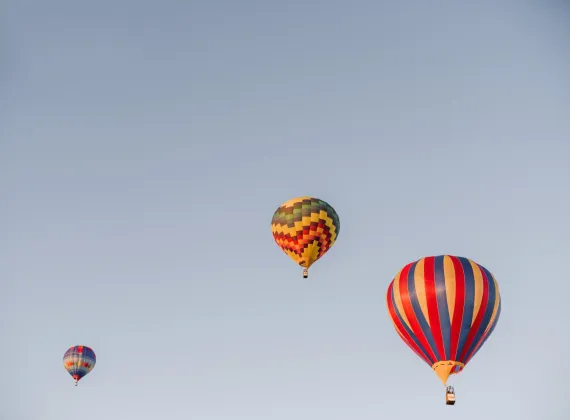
x=445 y=369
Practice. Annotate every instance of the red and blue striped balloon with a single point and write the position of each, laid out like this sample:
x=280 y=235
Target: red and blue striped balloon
x=444 y=308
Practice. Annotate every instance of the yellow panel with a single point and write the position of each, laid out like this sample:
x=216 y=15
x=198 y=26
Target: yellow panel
x=478 y=277
x=450 y=284
x=420 y=283
x=398 y=299
x=496 y=306
x=315 y=217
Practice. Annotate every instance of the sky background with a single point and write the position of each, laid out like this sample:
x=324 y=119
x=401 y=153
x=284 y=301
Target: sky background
x=144 y=147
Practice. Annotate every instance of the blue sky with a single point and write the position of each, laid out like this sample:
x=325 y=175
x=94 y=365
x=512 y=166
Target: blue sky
x=144 y=147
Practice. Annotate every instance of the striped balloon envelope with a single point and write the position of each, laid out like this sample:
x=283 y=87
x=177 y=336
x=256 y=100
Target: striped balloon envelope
x=305 y=228
x=444 y=308
x=79 y=361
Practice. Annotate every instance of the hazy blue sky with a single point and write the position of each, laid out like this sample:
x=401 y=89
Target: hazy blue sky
x=144 y=147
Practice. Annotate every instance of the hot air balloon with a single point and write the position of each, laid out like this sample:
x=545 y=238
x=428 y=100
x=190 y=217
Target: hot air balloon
x=305 y=228
x=79 y=361
x=444 y=308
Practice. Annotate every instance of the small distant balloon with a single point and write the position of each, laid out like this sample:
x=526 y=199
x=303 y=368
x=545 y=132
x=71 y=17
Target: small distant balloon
x=305 y=228
x=79 y=361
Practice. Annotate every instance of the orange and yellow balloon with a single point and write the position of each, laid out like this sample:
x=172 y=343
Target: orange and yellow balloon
x=305 y=228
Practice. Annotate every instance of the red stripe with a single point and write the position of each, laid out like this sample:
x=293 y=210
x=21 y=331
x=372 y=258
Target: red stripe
x=431 y=297
x=400 y=328
x=458 y=308
x=410 y=314
x=479 y=317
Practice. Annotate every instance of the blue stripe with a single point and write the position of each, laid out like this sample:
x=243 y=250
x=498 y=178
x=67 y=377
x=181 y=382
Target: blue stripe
x=418 y=311
x=488 y=310
x=410 y=333
x=443 y=309
x=469 y=304
x=490 y=330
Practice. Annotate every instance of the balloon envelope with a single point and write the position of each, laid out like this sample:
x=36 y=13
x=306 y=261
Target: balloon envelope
x=79 y=361
x=305 y=228
x=444 y=308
